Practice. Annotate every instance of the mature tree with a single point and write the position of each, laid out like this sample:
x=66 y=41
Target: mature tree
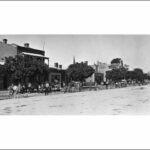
x=146 y=76
x=120 y=71
x=79 y=71
x=130 y=75
x=35 y=69
x=139 y=75
x=116 y=74
x=20 y=68
x=116 y=61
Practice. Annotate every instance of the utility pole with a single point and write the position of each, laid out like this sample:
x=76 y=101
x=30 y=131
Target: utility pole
x=43 y=46
x=74 y=61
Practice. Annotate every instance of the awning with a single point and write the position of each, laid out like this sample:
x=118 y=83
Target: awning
x=32 y=54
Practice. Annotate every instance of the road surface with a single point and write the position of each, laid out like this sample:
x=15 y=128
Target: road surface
x=123 y=101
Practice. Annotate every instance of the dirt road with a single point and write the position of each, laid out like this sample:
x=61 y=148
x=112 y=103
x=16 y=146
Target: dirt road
x=124 y=101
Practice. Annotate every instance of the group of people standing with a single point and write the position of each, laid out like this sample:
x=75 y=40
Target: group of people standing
x=45 y=88
x=72 y=86
x=15 y=89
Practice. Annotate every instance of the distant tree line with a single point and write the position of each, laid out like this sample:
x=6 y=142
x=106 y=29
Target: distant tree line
x=21 y=69
x=121 y=72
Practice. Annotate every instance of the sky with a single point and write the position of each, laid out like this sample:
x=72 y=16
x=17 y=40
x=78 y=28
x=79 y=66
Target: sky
x=133 y=49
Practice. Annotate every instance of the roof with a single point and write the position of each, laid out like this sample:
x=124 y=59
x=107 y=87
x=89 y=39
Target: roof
x=32 y=54
x=30 y=50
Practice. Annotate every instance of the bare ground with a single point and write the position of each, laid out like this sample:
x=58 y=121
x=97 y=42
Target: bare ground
x=124 y=101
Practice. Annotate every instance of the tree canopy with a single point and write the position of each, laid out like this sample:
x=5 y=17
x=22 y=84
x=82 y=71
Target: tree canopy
x=79 y=71
x=139 y=75
x=116 y=61
x=119 y=73
x=116 y=74
x=20 y=68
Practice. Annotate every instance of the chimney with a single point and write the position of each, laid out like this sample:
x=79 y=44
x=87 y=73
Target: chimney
x=56 y=65
x=5 y=41
x=26 y=45
x=60 y=66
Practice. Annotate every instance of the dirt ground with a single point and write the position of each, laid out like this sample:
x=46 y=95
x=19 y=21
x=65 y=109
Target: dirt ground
x=124 y=101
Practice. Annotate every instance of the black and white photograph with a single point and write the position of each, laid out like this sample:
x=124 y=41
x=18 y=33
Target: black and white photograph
x=74 y=75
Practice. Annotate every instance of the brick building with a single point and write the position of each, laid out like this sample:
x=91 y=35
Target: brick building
x=57 y=75
x=7 y=50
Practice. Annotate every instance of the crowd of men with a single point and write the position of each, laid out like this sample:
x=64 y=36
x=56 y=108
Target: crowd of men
x=29 y=88
x=70 y=87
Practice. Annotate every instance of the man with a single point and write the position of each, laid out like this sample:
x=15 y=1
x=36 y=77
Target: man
x=15 y=91
x=29 y=87
x=46 y=88
x=11 y=91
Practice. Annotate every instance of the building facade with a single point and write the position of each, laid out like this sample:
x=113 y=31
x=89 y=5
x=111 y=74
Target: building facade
x=57 y=76
x=7 y=50
x=100 y=70
x=56 y=73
